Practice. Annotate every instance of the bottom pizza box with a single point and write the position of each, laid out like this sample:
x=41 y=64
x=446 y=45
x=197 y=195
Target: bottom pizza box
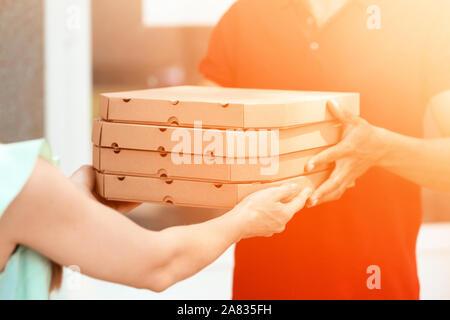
x=204 y=168
x=188 y=193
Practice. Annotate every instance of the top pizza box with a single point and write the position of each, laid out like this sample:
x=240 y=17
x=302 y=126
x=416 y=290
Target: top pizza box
x=218 y=107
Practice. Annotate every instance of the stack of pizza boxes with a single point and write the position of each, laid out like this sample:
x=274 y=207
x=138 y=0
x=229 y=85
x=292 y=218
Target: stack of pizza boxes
x=210 y=146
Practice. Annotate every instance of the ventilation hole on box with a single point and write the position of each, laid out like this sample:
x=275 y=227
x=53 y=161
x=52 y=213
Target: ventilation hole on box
x=225 y=105
x=121 y=178
x=173 y=121
x=175 y=102
x=161 y=172
x=218 y=186
x=126 y=100
x=169 y=181
x=162 y=151
x=163 y=176
x=163 y=129
x=168 y=200
x=116 y=148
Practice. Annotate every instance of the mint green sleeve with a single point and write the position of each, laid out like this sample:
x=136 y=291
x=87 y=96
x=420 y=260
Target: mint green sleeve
x=17 y=161
x=27 y=274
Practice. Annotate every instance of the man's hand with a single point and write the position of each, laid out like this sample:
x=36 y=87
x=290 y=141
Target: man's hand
x=361 y=147
x=84 y=178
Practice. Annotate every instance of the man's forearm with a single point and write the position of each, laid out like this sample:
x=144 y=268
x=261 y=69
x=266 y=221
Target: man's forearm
x=422 y=161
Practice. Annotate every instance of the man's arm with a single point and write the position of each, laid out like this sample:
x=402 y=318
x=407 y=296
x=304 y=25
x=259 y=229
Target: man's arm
x=425 y=162
x=440 y=109
x=59 y=219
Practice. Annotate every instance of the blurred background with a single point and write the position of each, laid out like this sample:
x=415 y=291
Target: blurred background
x=56 y=56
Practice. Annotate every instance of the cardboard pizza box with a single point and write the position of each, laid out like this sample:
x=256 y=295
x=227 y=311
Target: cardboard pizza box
x=202 y=168
x=222 y=143
x=188 y=193
x=220 y=107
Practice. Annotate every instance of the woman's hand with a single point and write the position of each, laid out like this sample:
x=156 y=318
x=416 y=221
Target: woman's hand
x=267 y=212
x=84 y=178
x=361 y=147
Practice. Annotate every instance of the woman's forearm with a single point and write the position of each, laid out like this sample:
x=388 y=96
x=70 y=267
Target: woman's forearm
x=54 y=218
x=191 y=248
x=64 y=223
x=422 y=161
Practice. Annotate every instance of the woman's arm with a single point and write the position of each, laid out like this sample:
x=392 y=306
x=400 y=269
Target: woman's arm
x=57 y=218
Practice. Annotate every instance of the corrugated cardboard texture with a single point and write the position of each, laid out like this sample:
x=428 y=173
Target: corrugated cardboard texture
x=188 y=193
x=213 y=169
x=154 y=138
x=223 y=107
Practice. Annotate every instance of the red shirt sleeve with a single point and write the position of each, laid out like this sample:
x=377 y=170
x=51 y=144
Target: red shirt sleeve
x=217 y=65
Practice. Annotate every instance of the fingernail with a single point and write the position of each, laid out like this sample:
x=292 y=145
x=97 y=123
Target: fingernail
x=294 y=186
x=310 y=166
x=307 y=191
x=334 y=102
x=313 y=202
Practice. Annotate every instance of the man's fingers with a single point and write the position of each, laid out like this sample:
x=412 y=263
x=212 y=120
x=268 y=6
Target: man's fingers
x=341 y=114
x=327 y=156
x=286 y=191
x=332 y=196
x=332 y=184
x=299 y=201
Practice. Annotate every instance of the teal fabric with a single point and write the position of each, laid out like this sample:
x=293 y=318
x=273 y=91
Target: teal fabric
x=27 y=274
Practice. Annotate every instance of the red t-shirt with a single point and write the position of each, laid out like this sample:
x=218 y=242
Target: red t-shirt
x=325 y=251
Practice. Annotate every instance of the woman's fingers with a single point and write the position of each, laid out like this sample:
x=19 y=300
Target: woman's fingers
x=269 y=210
x=299 y=201
x=333 y=183
x=84 y=178
x=122 y=207
x=283 y=192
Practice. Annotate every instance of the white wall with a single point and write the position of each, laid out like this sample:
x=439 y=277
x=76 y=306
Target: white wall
x=183 y=12
x=68 y=81
x=433 y=261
